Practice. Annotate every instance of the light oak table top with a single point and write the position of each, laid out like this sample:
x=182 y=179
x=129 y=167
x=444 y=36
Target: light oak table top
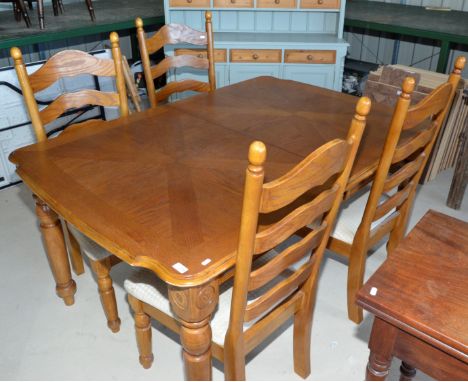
x=164 y=187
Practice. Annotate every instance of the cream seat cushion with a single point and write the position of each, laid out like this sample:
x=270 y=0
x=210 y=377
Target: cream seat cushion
x=91 y=249
x=147 y=287
x=350 y=216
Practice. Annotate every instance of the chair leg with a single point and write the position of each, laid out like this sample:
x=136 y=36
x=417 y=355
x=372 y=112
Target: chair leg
x=106 y=291
x=16 y=12
x=407 y=372
x=30 y=5
x=40 y=13
x=61 y=9
x=89 y=4
x=55 y=7
x=76 y=259
x=143 y=332
x=22 y=8
x=356 y=269
x=301 y=339
x=234 y=358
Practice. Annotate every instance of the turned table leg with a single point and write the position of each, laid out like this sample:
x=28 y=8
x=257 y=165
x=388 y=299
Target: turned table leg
x=56 y=251
x=381 y=344
x=194 y=307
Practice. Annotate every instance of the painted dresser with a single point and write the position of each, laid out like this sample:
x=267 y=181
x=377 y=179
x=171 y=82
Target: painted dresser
x=291 y=39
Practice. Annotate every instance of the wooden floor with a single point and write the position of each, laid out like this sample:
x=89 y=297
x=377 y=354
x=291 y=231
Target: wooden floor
x=110 y=15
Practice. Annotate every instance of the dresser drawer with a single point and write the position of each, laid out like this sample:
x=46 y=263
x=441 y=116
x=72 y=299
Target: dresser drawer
x=309 y=56
x=276 y=3
x=190 y=3
x=233 y=3
x=331 y=4
x=220 y=54
x=255 y=55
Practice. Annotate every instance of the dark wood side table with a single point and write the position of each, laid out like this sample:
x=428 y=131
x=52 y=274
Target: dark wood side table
x=420 y=302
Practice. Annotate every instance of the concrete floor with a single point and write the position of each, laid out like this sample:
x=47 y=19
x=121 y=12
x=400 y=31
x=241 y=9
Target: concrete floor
x=42 y=339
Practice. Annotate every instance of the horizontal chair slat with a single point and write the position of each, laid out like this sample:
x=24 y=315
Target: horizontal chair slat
x=431 y=105
x=278 y=293
x=420 y=140
x=319 y=166
x=300 y=217
x=289 y=256
x=78 y=99
x=178 y=62
x=181 y=86
x=394 y=201
x=70 y=63
x=404 y=173
x=175 y=34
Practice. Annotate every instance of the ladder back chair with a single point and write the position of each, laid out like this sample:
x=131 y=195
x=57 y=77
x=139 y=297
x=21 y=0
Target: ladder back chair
x=269 y=286
x=70 y=63
x=176 y=34
x=385 y=210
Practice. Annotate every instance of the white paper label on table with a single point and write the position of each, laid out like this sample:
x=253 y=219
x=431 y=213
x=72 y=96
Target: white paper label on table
x=206 y=261
x=179 y=267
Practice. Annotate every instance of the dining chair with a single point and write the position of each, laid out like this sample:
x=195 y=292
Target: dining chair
x=275 y=273
x=71 y=63
x=384 y=210
x=176 y=34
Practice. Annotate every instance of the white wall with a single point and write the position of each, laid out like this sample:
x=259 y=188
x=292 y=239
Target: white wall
x=380 y=50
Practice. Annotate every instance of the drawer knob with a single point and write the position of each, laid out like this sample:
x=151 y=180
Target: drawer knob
x=200 y=55
x=189 y=1
x=310 y=57
x=233 y=1
x=255 y=56
x=277 y=1
x=320 y=2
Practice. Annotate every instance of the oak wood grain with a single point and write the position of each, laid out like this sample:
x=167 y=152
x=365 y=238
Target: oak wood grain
x=168 y=153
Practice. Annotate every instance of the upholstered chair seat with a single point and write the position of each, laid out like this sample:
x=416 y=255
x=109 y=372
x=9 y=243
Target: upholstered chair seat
x=147 y=287
x=350 y=216
x=91 y=249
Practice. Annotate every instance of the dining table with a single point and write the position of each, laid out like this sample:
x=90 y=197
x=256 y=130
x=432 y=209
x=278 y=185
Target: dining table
x=162 y=189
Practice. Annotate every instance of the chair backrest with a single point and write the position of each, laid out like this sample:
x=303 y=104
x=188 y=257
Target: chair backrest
x=411 y=137
x=69 y=63
x=326 y=169
x=176 y=34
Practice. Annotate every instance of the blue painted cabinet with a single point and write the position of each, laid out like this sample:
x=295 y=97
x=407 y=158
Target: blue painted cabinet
x=301 y=40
